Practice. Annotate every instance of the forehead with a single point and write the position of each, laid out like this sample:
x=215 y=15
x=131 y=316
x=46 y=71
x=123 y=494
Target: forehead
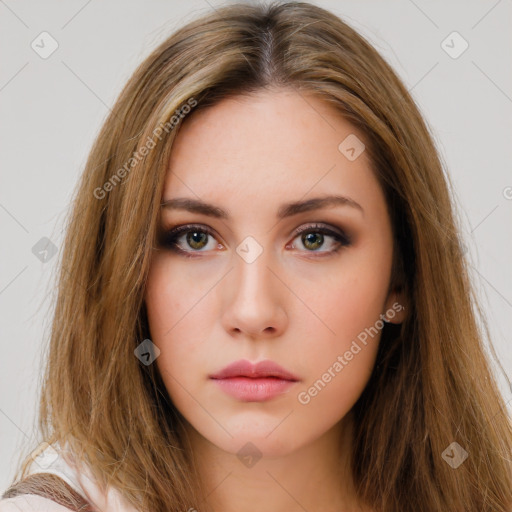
x=272 y=144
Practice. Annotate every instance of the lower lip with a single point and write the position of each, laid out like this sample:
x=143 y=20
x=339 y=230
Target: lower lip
x=254 y=390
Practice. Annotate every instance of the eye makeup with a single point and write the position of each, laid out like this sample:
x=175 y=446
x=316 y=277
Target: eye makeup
x=170 y=239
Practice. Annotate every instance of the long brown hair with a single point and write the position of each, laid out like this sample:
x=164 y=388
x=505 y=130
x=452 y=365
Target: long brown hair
x=432 y=385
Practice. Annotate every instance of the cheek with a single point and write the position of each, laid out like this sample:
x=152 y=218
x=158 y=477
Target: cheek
x=351 y=304
x=178 y=325
x=337 y=388
x=342 y=354
x=172 y=298
x=340 y=362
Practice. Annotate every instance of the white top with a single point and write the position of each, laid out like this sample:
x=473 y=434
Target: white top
x=53 y=459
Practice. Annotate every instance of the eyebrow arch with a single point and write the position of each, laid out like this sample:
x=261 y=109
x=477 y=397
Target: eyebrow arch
x=285 y=210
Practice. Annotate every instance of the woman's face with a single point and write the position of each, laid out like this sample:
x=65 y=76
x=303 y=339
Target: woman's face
x=247 y=286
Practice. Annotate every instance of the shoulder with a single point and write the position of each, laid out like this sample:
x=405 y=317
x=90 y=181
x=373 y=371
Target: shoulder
x=31 y=503
x=51 y=484
x=56 y=471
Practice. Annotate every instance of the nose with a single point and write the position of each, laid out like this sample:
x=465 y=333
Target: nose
x=254 y=298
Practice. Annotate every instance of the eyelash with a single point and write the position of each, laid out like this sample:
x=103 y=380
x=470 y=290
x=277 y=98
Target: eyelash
x=168 y=238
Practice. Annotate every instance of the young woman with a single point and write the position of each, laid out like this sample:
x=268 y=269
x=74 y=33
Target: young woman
x=264 y=303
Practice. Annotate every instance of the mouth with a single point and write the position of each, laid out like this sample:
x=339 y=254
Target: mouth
x=262 y=369
x=251 y=382
x=248 y=389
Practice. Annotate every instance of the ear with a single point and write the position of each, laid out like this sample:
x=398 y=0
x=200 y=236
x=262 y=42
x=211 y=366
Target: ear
x=396 y=307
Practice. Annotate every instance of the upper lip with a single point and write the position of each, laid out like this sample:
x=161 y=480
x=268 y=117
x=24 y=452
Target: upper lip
x=244 y=368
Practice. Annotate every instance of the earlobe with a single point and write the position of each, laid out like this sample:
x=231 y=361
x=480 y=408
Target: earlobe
x=396 y=308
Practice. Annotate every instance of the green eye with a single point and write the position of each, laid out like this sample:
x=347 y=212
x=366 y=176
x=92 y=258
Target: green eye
x=313 y=237
x=189 y=240
x=196 y=238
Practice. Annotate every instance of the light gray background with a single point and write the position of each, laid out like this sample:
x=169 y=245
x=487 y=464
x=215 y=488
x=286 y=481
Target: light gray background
x=52 y=108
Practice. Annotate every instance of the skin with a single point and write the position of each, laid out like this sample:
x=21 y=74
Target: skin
x=299 y=305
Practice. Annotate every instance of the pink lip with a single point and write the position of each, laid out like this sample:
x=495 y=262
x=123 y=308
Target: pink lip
x=254 y=382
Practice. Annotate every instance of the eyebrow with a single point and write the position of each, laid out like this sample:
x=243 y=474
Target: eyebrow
x=285 y=210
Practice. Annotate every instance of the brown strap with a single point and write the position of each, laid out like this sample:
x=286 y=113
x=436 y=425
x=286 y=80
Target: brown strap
x=52 y=487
